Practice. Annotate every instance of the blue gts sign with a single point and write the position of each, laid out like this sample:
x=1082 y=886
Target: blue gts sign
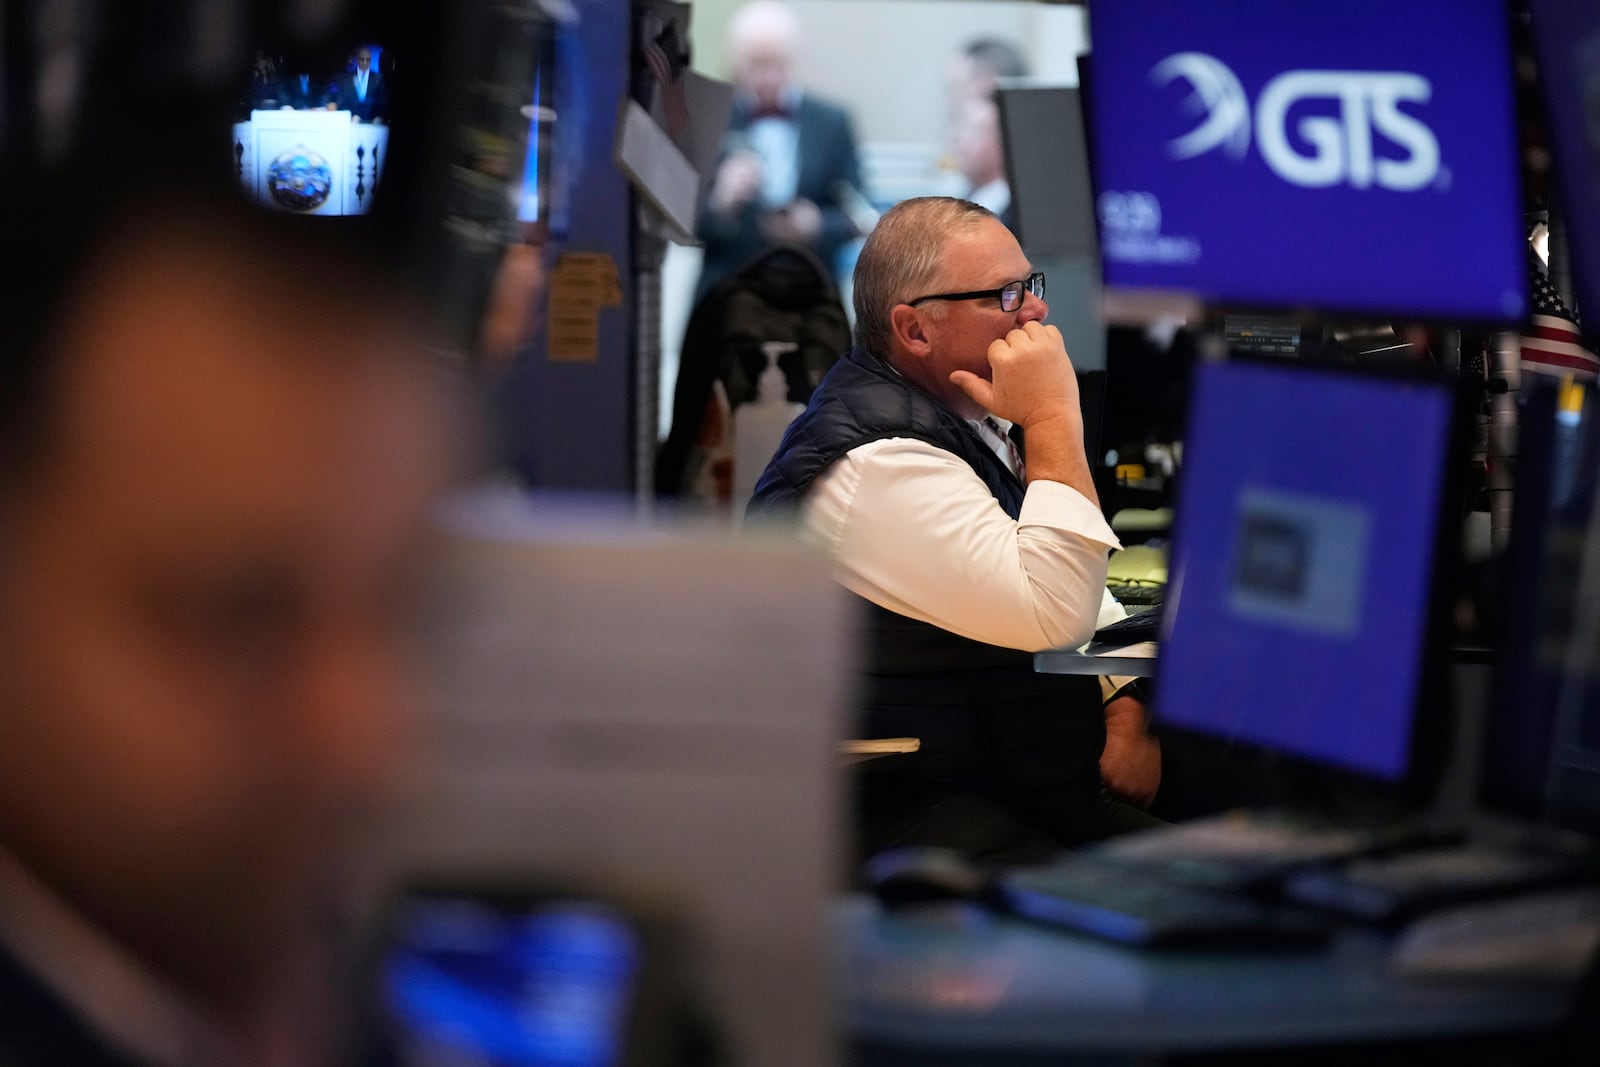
x=1358 y=157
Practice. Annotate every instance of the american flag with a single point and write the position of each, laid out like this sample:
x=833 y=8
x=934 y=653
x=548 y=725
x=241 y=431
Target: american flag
x=664 y=56
x=1551 y=343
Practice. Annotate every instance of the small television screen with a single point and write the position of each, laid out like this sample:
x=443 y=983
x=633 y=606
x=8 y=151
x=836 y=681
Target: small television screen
x=313 y=126
x=1567 y=37
x=311 y=129
x=1356 y=158
x=1303 y=604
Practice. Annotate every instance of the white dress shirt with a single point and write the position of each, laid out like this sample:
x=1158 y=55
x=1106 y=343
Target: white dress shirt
x=913 y=529
x=777 y=142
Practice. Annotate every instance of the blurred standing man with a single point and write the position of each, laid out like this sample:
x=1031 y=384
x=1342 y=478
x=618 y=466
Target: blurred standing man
x=213 y=482
x=976 y=149
x=977 y=70
x=903 y=468
x=787 y=153
x=980 y=157
x=362 y=92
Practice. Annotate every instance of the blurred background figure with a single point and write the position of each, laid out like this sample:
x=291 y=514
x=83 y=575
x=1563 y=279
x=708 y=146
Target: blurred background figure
x=303 y=89
x=787 y=157
x=977 y=69
x=976 y=152
x=265 y=84
x=362 y=91
x=979 y=156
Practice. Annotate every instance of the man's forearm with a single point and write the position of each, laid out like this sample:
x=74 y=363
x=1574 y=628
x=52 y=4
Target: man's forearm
x=1056 y=454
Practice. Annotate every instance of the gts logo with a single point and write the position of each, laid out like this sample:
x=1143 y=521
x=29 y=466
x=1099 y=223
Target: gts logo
x=1336 y=149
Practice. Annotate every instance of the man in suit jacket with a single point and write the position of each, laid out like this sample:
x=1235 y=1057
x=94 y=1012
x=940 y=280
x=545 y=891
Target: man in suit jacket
x=787 y=155
x=304 y=91
x=362 y=92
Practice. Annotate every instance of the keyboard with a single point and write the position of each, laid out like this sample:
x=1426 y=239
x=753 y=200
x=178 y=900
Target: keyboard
x=1389 y=888
x=1253 y=849
x=1138 y=592
x=1124 y=904
x=1141 y=625
x=1551 y=935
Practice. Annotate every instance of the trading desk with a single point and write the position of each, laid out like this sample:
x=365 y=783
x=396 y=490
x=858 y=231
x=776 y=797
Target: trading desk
x=1137 y=659
x=955 y=982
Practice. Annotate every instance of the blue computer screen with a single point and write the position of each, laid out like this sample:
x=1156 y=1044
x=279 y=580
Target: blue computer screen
x=1302 y=562
x=1359 y=156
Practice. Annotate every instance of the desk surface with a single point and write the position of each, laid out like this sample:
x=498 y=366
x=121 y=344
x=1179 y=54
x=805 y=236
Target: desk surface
x=956 y=977
x=1137 y=659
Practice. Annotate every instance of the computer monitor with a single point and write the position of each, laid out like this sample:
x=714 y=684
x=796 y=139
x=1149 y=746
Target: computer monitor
x=1306 y=611
x=645 y=718
x=1567 y=39
x=1047 y=166
x=1048 y=171
x=1541 y=751
x=1356 y=158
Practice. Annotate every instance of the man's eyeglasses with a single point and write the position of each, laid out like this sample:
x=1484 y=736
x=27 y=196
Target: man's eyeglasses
x=1009 y=294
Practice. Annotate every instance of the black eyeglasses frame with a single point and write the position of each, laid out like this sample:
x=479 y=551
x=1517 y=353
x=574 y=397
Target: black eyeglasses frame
x=1033 y=283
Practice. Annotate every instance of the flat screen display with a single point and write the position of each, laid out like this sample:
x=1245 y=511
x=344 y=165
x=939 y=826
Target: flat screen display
x=1301 y=593
x=311 y=129
x=1568 y=40
x=1358 y=157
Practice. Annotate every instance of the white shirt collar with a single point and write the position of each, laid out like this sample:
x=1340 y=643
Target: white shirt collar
x=1000 y=444
x=789 y=96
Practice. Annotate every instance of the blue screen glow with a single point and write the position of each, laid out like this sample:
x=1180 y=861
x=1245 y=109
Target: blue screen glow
x=1303 y=561
x=1357 y=157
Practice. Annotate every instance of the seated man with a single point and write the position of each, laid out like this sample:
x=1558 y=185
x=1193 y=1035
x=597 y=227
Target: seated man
x=903 y=468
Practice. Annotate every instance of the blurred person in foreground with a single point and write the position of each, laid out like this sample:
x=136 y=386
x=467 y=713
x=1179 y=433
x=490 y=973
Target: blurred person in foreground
x=788 y=155
x=212 y=486
x=970 y=557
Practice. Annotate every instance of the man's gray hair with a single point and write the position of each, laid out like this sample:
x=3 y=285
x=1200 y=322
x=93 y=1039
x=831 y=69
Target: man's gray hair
x=901 y=259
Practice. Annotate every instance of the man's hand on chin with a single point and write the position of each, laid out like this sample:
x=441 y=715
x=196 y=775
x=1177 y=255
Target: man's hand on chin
x=1032 y=380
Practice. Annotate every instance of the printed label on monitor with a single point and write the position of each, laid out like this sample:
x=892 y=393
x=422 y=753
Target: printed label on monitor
x=1300 y=561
